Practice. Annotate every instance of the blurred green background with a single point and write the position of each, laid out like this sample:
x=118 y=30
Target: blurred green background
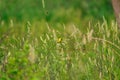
x=63 y=11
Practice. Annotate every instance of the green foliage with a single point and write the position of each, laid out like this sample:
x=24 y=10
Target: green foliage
x=38 y=40
x=64 y=52
x=56 y=11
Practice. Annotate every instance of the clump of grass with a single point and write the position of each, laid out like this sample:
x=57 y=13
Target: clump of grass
x=64 y=53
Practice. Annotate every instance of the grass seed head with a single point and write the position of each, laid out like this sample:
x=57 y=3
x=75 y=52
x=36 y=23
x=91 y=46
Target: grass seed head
x=32 y=56
x=84 y=40
x=89 y=35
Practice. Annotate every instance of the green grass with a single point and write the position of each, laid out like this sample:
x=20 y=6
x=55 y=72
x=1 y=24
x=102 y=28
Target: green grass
x=31 y=51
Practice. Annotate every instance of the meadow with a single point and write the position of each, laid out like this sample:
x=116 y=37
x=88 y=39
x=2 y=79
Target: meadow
x=64 y=53
x=59 y=45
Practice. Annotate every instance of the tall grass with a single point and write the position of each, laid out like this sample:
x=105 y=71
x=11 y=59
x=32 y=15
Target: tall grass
x=42 y=51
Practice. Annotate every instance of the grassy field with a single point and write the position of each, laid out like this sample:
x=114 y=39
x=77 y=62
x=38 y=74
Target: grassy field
x=45 y=51
x=58 y=40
